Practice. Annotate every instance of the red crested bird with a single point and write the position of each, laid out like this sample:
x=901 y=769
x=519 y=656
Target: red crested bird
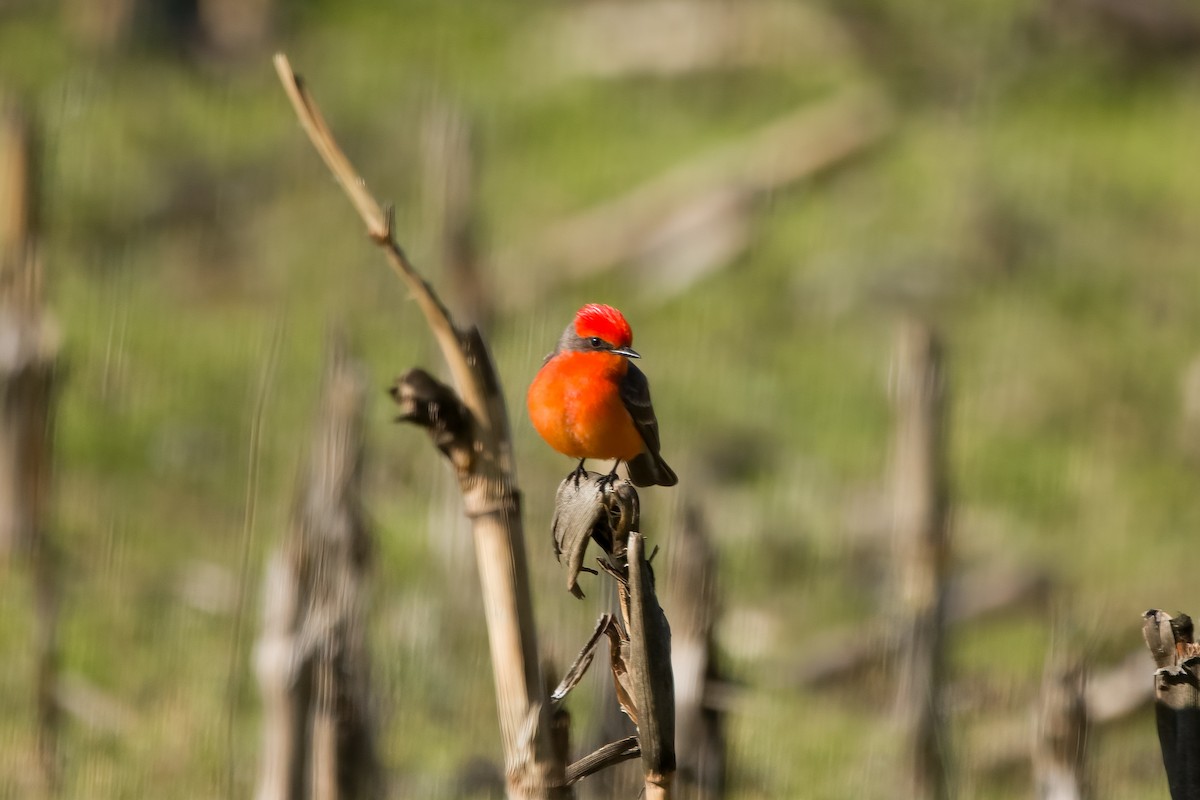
x=590 y=401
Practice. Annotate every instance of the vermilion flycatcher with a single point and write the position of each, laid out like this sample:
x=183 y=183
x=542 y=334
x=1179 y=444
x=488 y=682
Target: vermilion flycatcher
x=590 y=401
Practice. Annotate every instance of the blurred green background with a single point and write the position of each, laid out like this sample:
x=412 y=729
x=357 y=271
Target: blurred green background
x=1035 y=194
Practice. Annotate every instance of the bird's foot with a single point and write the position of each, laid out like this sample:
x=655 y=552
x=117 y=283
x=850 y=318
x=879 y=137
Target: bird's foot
x=609 y=480
x=579 y=474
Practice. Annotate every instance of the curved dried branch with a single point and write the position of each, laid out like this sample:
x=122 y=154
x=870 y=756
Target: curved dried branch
x=475 y=435
x=321 y=137
x=453 y=343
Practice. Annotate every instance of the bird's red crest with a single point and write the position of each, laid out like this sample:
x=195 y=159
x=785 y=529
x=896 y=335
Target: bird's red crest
x=604 y=321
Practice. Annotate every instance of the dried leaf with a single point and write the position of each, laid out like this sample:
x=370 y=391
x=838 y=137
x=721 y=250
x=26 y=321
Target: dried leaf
x=582 y=661
x=609 y=755
x=426 y=401
x=618 y=651
x=591 y=508
x=650 y=662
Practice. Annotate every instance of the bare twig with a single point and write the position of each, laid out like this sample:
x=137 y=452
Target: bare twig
x=468 y=379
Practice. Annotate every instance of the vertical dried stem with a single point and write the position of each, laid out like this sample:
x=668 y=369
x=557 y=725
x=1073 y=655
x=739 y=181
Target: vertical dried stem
x=699 y=728
x=20 y=274
x=1060 y=748
x=451 y=174
x=1176 y=699
x=28 y=370
x=311 y=657
x=922 y=540
x=480 y=448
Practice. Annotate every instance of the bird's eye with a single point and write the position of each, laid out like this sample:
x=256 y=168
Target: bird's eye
x=595 y=341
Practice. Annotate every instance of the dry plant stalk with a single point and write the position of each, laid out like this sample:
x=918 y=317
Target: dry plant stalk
x=1060 y=747
x=451 y=177
x=1177 y=698
x=693 y=599
x=470 y=425
x=29 y=376
x=923 y=544
x=311 y=659
x=593 y=509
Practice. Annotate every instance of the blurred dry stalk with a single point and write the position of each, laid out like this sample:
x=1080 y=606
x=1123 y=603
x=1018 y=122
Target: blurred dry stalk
x=29 y=345
x=615 y=38
x=1189 y=427
x=978 y=594
x=1148 y=30
x=234 y=27
x=451 y=175
x=311 y=657
x=20 y=208
x=1108 y=696
x=696 y=217
x=471 y=428
x=923 y=547
x=222 y=28
x=1177 y=698
x=100 y=24
x=1060 y=746
x=699 y=726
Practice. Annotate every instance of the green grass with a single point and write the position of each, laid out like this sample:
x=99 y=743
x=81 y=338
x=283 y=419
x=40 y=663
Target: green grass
x=1037 y=199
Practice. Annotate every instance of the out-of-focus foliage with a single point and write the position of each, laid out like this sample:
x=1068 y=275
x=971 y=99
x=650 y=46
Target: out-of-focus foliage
x=1038 y=198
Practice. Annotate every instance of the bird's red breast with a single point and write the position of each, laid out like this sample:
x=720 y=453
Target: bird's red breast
x=575 y=404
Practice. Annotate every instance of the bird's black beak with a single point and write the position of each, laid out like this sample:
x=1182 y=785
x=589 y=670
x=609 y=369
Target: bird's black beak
x=628 y=352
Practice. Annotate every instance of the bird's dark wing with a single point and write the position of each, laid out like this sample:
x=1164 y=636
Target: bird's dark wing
x=649 y=468
x=635 y=393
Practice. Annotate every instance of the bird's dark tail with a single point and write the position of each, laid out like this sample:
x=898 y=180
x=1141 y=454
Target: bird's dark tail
x=649 y=469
